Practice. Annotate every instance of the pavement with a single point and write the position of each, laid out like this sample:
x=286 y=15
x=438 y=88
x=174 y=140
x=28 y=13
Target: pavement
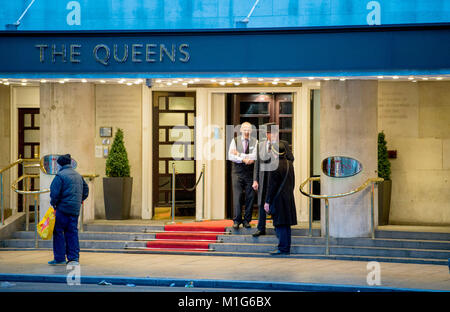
x=211 y=272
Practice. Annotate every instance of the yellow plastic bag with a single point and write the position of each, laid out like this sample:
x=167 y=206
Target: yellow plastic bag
x=45 y=227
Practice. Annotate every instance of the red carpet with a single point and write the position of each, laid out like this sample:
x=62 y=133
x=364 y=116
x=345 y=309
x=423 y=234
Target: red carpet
x=194 y=236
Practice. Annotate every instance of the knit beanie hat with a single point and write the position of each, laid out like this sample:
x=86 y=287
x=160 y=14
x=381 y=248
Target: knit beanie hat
x=64 y=160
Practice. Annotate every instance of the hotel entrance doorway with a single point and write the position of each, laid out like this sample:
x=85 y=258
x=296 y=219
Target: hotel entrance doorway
x=258 y=109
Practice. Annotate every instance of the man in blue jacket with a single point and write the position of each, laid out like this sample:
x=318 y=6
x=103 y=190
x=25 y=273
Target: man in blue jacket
x=67 y=193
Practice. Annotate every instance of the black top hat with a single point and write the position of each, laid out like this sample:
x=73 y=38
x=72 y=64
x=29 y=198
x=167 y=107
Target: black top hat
x=64 y=160
x=268 y=126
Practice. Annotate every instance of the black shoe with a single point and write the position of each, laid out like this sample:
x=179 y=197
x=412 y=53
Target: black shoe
x=235 y=225
x=247 y=225
x=278 y=252
x=258 y=233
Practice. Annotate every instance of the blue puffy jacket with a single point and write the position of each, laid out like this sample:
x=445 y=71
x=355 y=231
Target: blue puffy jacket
x=68 y=190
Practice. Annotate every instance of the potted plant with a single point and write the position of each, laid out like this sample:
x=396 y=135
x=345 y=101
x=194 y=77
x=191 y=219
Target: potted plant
x=385 y=187
x=117 y=185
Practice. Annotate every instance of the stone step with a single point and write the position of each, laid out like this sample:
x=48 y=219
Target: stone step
x=397 y=234
x=84 y=244
x=367 y=242
x=122 y=228
x=115 y=236
x=337 y=250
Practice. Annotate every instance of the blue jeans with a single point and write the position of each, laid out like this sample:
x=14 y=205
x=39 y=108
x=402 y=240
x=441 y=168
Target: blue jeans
x=284 y=237
x=65 y=237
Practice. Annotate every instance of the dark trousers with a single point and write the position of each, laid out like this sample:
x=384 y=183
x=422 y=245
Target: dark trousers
x=242 y=183
x=262 y=217
x=65 y=237
x=284 y=237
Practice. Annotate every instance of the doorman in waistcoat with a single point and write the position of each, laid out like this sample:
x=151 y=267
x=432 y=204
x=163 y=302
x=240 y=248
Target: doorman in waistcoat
x=242 y=152
x=265 y=162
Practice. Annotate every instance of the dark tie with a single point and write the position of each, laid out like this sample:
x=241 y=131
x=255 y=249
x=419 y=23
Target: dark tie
x=245 y=146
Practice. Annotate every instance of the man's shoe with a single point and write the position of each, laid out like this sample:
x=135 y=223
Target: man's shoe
x=258 y=233
x=54 y=262
x=278 y=252
x=73 y=262
x=247 y=225
x=235 y=225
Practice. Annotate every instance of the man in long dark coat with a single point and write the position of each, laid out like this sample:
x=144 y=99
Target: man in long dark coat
x=265 y=162
x=280 y=201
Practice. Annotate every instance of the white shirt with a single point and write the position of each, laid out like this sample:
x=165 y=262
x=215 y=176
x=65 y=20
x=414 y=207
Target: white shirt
x=252 y=150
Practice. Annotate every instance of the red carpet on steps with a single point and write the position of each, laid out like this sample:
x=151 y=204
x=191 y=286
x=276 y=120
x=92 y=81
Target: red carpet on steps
x=194 y=236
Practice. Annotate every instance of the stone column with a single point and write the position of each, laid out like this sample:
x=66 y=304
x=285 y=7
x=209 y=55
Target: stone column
x=68 y=127
x=348 y=127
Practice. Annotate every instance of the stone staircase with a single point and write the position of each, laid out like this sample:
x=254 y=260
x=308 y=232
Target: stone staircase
x=388 y=246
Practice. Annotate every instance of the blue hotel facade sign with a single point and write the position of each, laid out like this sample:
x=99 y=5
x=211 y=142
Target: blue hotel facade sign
x=323 y=51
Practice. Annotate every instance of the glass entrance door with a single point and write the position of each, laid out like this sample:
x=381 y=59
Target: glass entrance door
x=29 y=143
x=173 y=134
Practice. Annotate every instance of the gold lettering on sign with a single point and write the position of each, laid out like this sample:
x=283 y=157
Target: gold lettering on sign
x=125 y=53
x=61 y=53
x=105 y=59
x=135 y=53
x=41 y=48
x=163 y=50
x=74 y=53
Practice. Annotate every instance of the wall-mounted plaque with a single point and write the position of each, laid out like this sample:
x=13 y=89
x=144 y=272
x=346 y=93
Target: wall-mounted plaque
x=341 y=167
x=105 y=132
x=49 y=165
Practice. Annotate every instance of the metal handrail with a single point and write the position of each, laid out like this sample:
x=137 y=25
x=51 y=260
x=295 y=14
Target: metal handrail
x=371 y=181
x=10 y=166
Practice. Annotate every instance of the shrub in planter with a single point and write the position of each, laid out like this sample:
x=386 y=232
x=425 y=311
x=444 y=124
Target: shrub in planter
x=385 y=187
x=117 y=185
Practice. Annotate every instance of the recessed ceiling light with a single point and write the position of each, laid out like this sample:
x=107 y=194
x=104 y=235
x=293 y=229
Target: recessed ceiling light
x=169 y=83
x=184 y=83
x=196 y=80
x=438 y=78
x=395 y=77
x=260 y=79
x=213 y=80
x=6 y=83
x=24 y=80
x=380 y=77
x=61 y=81
x=326 y=79
x=291 y=80
x=288 y=83
x=102 y=81
x=229 y=81
x=311 y=78
x=191 y=81
x=24 y=83
x=129 y=84
x=276 y=79
x=158 y=80
x=424 y=78
x=274 y=82
x=222 y=83
x=43 y=81
x=410 y=78
x=83 y=80
x=342 y=79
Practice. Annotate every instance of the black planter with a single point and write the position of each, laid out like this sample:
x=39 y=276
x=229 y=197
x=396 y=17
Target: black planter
x=384 y=201
x=117 y=196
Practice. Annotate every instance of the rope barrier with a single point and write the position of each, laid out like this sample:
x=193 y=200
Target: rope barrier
x=191 y=188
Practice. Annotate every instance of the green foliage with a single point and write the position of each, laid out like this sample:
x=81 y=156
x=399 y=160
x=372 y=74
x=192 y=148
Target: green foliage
x=117 y=164
x=384 y=166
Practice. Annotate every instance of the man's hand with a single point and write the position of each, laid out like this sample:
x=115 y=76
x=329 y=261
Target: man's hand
x=266 y=207
x=255 y=185
x=248 y=161
x=235 y=152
